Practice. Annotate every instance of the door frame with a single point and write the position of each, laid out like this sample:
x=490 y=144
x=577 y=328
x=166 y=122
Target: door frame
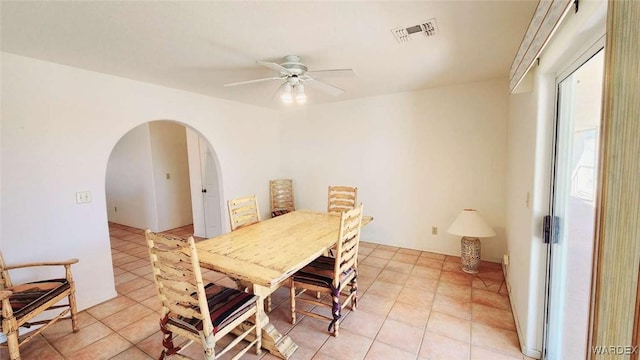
x=590 y=52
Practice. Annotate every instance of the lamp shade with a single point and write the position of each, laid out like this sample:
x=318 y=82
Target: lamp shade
x=469 y=223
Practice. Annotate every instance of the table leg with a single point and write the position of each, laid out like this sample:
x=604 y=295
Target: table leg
x=273 y=341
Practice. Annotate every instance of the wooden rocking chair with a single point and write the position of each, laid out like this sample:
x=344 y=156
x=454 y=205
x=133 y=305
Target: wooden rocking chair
x=21 y=303
x=195 y=312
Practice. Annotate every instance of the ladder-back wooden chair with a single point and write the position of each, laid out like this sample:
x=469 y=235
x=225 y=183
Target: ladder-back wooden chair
x=21 y=303
x=342 y=198
x=331 y=275
x=281 y=197
x=194 y=312
x=243 y=211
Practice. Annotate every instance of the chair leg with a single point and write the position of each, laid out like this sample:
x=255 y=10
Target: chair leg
x=258 y=336
x=336 y=310
x=12 y=342
x=293 y=301
x=168 y=348
x=9 y=324
x=209 y=347
x=73 y=307
x=354 y=291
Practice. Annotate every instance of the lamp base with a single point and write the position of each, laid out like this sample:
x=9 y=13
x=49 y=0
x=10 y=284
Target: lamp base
x=470 y=254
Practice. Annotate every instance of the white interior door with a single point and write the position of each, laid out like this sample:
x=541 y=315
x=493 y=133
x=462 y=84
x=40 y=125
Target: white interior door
x=573 y=213
x=210 y=191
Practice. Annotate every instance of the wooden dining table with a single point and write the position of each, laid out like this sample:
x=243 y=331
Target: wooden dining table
x=266 y=253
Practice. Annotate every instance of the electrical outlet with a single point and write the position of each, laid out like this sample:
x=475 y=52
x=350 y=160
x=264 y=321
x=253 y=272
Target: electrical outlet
x=83 y=197
x=434 y=230
x=505 y=259
x=168 y=176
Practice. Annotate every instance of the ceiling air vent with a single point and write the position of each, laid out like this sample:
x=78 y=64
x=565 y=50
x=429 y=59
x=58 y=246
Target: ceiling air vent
x=428 y=28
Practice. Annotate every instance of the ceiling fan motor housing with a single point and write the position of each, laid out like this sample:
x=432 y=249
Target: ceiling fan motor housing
x=294 y=64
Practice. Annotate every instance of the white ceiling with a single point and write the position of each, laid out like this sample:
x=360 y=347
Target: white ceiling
x=199 y=46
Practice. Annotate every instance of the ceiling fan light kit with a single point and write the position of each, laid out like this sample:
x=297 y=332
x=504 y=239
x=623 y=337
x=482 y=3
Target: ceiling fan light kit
x=294 y=73
x=301 y=97
x=286 y=96
x=289 y=89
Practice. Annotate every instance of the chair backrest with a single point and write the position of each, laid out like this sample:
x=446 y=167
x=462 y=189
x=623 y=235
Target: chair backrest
x=243 y=211
x=281 y=195
x=341 y=198
x=347 y=246
x=176 y=271
x=5 y=280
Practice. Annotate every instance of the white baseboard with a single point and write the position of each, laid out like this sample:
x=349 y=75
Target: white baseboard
x=533 y=353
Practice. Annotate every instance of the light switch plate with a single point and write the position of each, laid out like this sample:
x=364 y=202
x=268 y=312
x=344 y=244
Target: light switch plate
x=83 y=197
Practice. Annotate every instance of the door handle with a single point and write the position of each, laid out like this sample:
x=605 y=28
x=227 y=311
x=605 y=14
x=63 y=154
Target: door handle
x=550 y=229
x=546 y=229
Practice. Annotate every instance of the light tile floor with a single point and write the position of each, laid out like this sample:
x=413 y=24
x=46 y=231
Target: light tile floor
x=412 y=305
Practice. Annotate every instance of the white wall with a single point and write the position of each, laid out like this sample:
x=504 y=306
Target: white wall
x=417 y=158
x=529 y=165
x=531 y=121
x=130 y=194
x=138 y=192
x=169 y=156
x=59 y=126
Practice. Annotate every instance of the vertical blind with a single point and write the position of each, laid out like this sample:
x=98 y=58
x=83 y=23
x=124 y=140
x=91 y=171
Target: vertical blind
x=619 y=228
x=545 y=21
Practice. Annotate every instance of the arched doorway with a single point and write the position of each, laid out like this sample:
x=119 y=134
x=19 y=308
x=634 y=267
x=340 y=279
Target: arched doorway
x=155 y=170
x=164 y=175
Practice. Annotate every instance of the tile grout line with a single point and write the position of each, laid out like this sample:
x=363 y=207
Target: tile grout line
x=373 y=281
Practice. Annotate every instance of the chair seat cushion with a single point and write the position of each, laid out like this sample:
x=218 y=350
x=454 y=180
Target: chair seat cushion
x=275 y=213
x=225 y=305
x=320 y=273
x=30 y=296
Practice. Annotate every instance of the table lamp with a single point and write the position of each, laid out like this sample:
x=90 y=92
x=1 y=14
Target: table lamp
x=471 y=227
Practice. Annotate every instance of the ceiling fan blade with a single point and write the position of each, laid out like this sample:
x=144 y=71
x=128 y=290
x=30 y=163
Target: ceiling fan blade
x=324 y=87
x=277 y=67
x=252 y=81
x=334 y=73
x=278 y=91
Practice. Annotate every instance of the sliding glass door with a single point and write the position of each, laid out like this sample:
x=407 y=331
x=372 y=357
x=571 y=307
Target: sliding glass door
x=572 y=222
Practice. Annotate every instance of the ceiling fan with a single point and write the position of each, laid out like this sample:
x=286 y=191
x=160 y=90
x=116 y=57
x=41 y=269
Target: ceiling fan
x=295 y=75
